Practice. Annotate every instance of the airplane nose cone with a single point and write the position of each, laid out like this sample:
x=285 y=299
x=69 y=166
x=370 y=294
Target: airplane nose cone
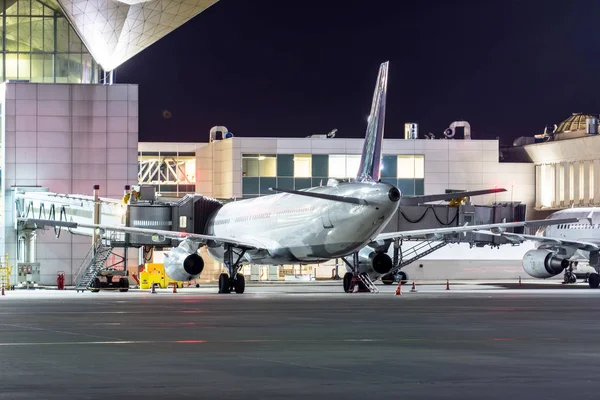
x=394 y=194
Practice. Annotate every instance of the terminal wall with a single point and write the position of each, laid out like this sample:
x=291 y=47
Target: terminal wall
x=66 y=138
x=449 y=164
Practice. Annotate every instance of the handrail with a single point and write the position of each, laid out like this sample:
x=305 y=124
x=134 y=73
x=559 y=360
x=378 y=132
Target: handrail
x=86 y=261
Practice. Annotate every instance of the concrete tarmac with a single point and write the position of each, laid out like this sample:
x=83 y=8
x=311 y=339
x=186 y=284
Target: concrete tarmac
x=301 y=341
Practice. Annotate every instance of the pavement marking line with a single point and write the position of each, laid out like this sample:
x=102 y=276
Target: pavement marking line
x=54 y=331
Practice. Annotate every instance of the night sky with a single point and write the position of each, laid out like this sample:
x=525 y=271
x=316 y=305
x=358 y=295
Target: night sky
x=290 y=68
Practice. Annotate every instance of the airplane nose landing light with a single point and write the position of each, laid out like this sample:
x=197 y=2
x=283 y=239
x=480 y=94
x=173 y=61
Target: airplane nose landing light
x=394 y=194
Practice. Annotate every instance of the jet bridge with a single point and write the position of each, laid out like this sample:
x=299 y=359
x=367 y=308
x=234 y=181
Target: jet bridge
x=138 y=208
x=431 y=216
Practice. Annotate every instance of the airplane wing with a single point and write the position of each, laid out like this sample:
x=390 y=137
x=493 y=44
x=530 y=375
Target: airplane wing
x=545 y=240
x=160 y=234
x=439 y=233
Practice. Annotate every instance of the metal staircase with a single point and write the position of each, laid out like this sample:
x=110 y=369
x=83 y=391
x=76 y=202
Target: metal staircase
x=92 y=264
x=417 y=252
x=364 y=284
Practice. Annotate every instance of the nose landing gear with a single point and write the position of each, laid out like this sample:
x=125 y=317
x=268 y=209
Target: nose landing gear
x=569 y=276
x=356 y=279
x=232 y=281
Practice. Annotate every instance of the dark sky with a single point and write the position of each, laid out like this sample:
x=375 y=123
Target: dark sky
x=290 y=68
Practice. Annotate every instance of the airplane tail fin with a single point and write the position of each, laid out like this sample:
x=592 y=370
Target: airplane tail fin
x=370 y=161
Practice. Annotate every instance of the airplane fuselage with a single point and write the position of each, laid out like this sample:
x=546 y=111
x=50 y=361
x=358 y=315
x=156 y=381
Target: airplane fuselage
x=299 y=229
x=582 y=231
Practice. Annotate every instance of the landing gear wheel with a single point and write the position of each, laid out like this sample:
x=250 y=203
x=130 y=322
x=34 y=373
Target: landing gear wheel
x=569 y=278
x=347 y=280
x=224 y=283
x=387 y=279
x=594 y=280
x=123 y=285
x=402 y=276
x=95 y=286
x=239 y=284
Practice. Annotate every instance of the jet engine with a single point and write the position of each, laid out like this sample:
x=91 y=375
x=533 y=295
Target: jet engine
x=372 y=262
x=542 y=263
x=183 y=263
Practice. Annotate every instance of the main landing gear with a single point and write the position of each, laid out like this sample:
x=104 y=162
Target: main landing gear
x=355 y=279
x=594 y=280
x=232 y=281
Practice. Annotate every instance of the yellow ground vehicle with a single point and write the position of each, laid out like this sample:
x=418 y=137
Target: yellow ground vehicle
x=154 y=272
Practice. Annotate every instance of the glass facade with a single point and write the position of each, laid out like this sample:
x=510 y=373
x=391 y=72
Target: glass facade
x=39 y=45
x=410 y=171
x=173 y=174
x=301 y=171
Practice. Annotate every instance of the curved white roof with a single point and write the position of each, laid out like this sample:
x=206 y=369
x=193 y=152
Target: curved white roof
x=116 y=30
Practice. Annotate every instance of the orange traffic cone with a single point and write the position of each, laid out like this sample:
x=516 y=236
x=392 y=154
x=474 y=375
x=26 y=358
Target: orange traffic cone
x=447 y=284
x=399 y=289
x=174 y=287
x=153 y=290
x=414 y=287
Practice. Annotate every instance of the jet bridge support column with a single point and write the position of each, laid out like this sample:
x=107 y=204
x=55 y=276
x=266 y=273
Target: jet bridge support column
x=27 y=271
x=26 y=246
x=96 y=214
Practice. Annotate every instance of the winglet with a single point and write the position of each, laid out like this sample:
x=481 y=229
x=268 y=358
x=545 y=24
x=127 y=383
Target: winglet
x=370 y=161
x=589 y=217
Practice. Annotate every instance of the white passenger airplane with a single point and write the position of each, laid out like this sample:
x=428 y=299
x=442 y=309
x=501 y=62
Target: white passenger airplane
x=305 y=226
x=571 y=248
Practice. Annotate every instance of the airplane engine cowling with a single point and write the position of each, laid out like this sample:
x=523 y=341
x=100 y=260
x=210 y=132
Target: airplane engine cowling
x=542 y=263
x=370 y=261
x=183 y=263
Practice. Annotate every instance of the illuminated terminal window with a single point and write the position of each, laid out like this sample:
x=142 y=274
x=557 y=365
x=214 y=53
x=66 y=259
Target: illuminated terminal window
x=302 y=165
x=40 y=46
x=411 y=166
x=259 y=165
x=343 y=166
x=411 y=174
